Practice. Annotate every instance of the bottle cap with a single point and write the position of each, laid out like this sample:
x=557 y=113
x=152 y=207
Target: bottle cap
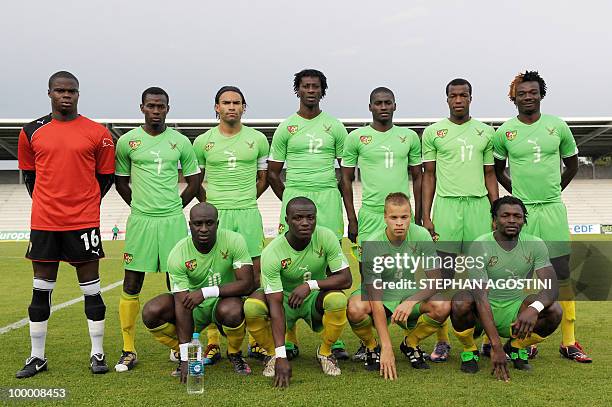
x=196 y=335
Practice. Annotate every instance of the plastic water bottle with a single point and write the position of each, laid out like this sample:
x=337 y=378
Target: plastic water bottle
x=195 y=376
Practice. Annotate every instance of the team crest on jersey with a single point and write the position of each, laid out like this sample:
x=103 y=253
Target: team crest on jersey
x=209 y=146
x=511 y=135
x=191 y=264
x=442 y=133
x=127 y=258
x=551 y=131
x=319 y=252
x=479 y=132
x=251 y=145
x=172 y=146
x=134 y=144
x=528 y=259
x=224 y=254
x=365 y=139
x=281 y=228
x=327 y=128
x=492 y=261
x=403 y=139
x=106 y=142
x=285 y=263
x=292 y=129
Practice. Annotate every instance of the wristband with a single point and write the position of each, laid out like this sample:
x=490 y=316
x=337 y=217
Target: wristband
x=280 y=352
x=210 y=292
x=537 y=305
x=313 y=285
x=183 y=349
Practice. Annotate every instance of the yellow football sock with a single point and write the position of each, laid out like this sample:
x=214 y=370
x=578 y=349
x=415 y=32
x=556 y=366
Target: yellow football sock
x=258 y=323
x=213 y=334
x=291 y=335
x=334 y=320
x=166 y=335
x=129 y=306
x=425 y=327
x=235 y=336
x=485 y=339
x=252 y=341
x=568 y=305
x=442 y=333
x=467 y=339
x=364 y=331
x=528 y=341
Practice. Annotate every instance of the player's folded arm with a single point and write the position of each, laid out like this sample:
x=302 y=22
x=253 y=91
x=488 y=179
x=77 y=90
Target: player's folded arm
x=243 y=284
x=338 y=280
x=547 y=296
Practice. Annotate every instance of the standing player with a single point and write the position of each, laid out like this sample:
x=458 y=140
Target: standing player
x=296 y=286
x=149 y=157
x=509 y=255
x=309 y=141
x=234 y=158
x=534 y=144
x=458 y=162
x=209 y=273
x=416 y=309
x=65 y=211
x=384 y=153
x=115 y=232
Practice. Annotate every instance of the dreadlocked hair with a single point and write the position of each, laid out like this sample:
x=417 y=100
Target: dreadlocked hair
x=312 y=73
x=528 y=76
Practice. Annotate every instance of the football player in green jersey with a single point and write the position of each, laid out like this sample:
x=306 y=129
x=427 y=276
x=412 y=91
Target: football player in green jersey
x=146 y=169
x=234 y=159
x=296 y=286
x=412 y=308
x=504 y=255
x=534 y=144
x=458 y=163
x=384 y=153
x=309 y=142
x=209 y=273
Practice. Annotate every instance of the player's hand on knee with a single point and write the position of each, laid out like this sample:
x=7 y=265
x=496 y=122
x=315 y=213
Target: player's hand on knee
x=193 y=299
x=524 y=324
x=298 y=295
x=353 y=228
x=184 y=371
x=387 y=364
x=282 y=372
x=499 y=362
x=402 y=312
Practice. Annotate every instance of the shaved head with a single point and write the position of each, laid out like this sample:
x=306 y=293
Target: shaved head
x=203 y=209
x=301 y=202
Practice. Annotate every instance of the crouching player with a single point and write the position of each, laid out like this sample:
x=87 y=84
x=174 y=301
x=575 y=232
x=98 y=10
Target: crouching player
x=209 y=273
x=417 y=309
x=506 y=254
x=295 y=284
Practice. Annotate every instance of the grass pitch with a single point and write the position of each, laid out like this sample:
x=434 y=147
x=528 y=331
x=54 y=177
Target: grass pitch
x=553 y=380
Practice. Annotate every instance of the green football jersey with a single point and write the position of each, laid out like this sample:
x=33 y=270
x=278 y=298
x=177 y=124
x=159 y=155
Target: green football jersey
x=152 y=164
x=418 y=246
x=383 y=159
x=190 y=269
x=309 y=148
x=534 y=152
x=231 y=165
x=283 y=268
x=529 y=255
x=460 y=152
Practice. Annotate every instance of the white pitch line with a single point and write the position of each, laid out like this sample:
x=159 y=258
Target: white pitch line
x=24 y=322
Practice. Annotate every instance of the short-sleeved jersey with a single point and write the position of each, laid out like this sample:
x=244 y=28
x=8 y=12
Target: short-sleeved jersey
x=460 y=152
x=529 y=255
x=284 y=268
x=534 y=152
x=152 y=163
x=231 y=165
x=189 y=269
x=383 y=159
x=309 y=148
x=115 y=230
x=66 y=156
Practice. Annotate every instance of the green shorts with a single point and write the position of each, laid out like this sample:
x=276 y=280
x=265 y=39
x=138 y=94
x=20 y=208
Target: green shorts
x=505 y=313
x=329 y=209
x=205 y=314
x=248 y=223
x=548 y=221
x=460 y=219
x=369 y=222
x=149 y=240
x=307 y=311
x=390 y=306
